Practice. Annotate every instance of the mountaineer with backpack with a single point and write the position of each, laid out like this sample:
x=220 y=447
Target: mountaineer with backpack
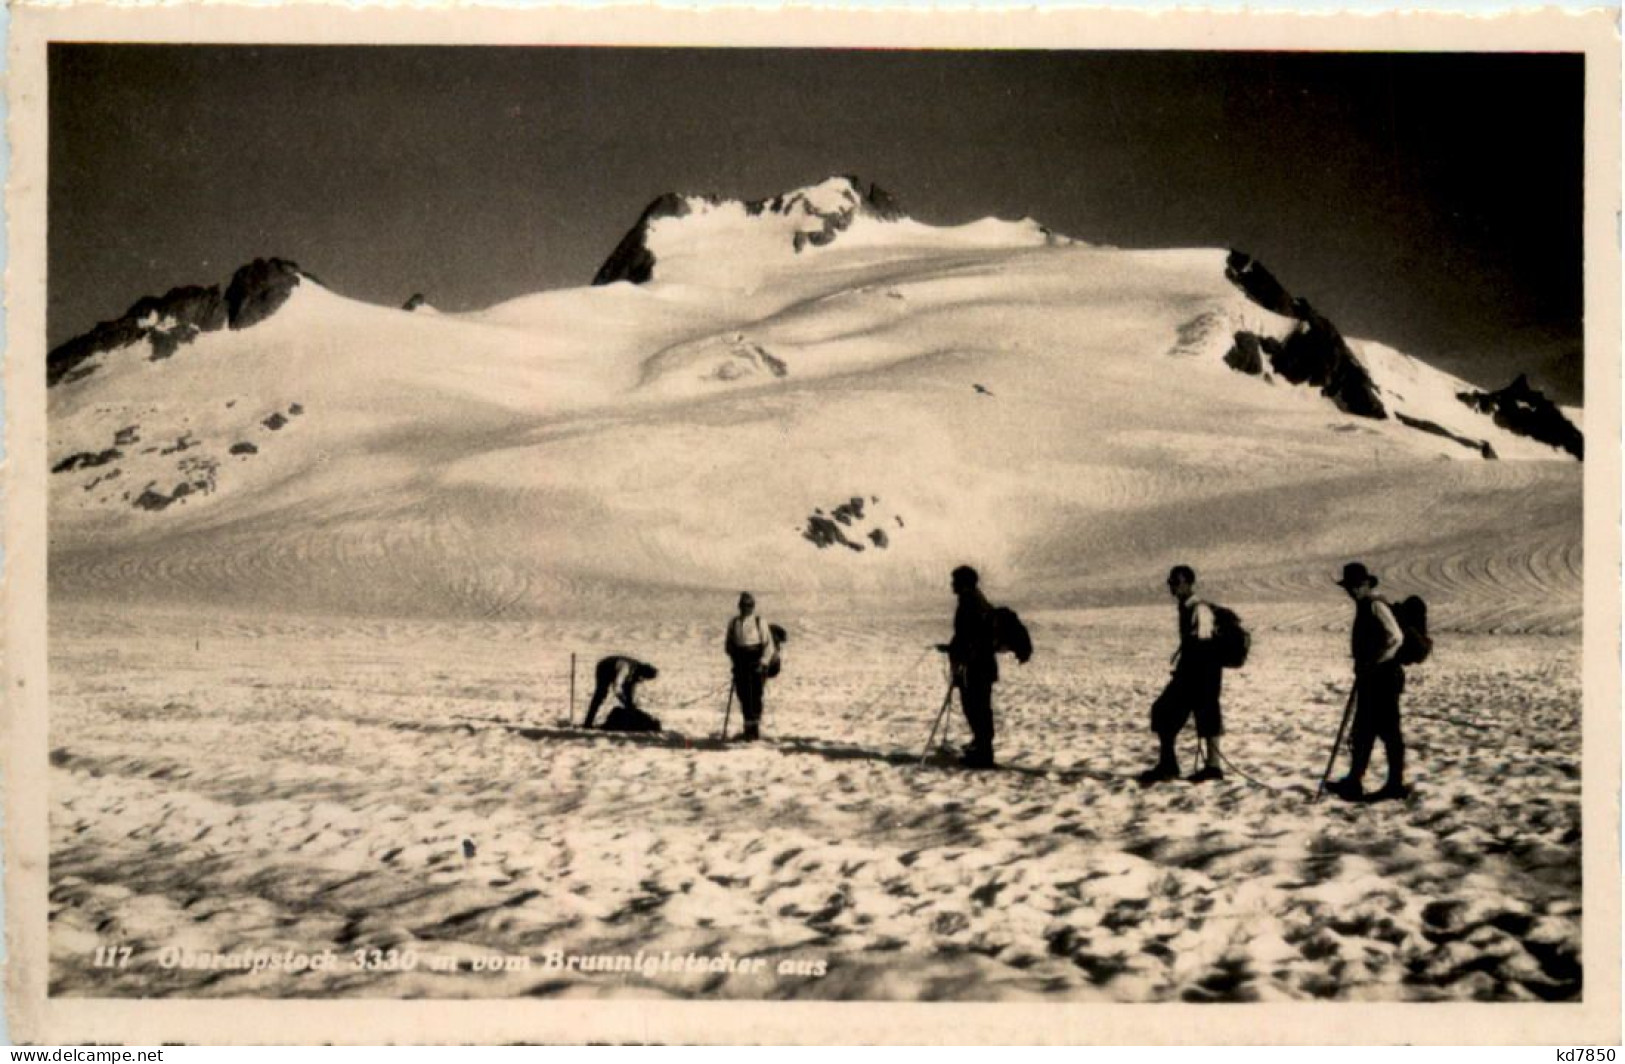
x=971 y=655
x=1211 y=639
x=753 y=653
x=1382 y=644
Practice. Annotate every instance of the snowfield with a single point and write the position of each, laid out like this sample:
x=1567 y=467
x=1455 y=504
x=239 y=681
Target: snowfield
x=229 y=784
x=315 y=585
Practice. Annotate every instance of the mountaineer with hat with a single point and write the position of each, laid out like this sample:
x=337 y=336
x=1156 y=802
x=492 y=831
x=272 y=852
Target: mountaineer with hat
x=1379 y=678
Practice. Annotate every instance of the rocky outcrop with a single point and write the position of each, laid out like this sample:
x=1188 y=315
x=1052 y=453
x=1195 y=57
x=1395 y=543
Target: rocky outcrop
x=1258 y=283
x=1522 y=409
x=178 y=317
x=1247 y=356
x=168 y=321
x=1314 y=353
x=259 y=289
x=880 y=203
x=417 y=300
x=634 y=261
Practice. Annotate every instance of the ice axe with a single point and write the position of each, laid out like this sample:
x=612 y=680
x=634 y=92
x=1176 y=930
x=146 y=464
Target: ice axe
x=1348 y=710
x=727 y=711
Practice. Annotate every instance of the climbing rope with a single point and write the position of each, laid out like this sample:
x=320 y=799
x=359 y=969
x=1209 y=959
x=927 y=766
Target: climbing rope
x=707 y=696
x=1238 y=771
x=1196 y=754
x=895 y=684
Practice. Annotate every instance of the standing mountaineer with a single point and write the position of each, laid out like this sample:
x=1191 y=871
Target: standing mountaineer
x=751 y=649
x=1193 y=689
x=1375 y=643
x=971 y=655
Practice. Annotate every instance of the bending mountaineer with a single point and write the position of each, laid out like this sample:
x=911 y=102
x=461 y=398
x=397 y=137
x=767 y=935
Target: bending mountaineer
x=620 y=675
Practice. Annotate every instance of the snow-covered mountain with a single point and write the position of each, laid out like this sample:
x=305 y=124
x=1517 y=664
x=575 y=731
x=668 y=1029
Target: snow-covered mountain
x=812 y=395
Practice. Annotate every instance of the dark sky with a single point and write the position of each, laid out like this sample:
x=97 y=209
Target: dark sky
x=1429 y=201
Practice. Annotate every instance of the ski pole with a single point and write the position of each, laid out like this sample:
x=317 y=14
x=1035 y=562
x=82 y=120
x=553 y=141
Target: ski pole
x=942 y=713
x=1348 y=710
x=572 y=718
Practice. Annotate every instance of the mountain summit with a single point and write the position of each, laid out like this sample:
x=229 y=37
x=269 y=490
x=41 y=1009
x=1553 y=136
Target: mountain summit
x=706 y=238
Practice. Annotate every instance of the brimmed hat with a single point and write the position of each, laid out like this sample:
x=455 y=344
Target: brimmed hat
x=1356 y=575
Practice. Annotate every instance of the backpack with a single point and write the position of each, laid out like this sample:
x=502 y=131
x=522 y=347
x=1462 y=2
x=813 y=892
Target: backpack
x=780 y=637
x=1231 y=641
x=1010 y=635
x=1412 y=615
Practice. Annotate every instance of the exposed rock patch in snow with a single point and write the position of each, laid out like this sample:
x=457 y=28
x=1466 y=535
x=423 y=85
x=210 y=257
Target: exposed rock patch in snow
x=853 y=516
x=1525 y=410
x=87 y=460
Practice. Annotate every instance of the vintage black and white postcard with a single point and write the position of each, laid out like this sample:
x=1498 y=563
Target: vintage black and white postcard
x=639 y=525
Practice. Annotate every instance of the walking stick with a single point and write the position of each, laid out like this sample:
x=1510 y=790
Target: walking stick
x=727 y=710
x=947 y=700
x=1348 y=710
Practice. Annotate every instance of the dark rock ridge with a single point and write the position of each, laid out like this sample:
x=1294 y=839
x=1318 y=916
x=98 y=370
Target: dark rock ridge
x=181 y=315
x=1524 y=410
x=633 y=261
x=1258 y=283
x=1315 y=353
x=1481 y=446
